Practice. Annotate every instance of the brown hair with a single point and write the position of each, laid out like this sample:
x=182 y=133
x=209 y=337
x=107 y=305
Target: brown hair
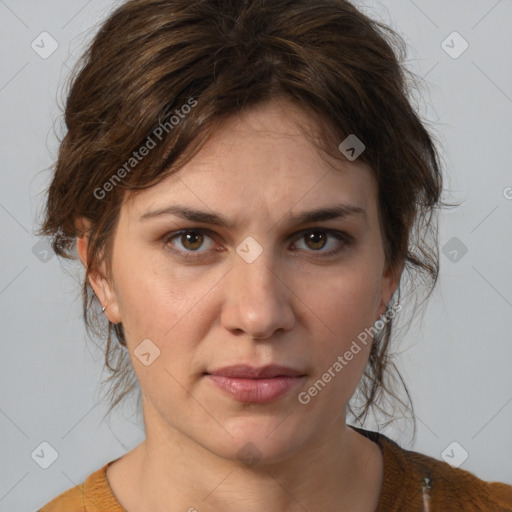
x=150 y=58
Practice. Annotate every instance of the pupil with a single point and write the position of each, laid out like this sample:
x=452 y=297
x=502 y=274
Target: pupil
x=192 y=236
x=317 y=239
x=314 y=238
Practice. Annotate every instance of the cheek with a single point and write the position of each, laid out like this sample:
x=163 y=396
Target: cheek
x=347 y=307
x=161 y=301
x=163 y=307
x=342 y=352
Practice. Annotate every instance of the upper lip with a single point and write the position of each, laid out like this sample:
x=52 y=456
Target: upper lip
x=251 y=372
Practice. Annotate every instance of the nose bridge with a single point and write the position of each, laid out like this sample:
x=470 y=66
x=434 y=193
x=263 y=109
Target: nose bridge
x=255 y=260
x=257 y=302
x=256 y=274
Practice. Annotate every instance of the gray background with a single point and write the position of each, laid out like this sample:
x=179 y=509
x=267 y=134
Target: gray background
x=457 y=363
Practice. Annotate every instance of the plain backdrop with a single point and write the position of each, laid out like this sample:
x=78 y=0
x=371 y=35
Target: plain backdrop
x=457 y=363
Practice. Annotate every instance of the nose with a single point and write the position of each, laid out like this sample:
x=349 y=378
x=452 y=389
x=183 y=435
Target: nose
x=257 y=300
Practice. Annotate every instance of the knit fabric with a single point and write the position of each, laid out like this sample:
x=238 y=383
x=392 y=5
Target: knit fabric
x=412 y=482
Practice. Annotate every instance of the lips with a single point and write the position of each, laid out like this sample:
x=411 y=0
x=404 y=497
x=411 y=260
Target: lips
x=243 y=371
x=260 y=385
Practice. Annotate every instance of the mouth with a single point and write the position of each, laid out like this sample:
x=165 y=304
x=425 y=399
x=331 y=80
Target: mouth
x=250 y=384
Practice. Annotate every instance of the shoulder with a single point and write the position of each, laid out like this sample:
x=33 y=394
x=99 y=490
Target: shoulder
x=71 y=500
x=416 y=482
x=446 y=487
x=94 y=492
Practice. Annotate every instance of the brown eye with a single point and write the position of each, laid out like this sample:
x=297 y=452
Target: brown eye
x=316 y=239
x=192 y=240
x=193 y=243
x=188 y=242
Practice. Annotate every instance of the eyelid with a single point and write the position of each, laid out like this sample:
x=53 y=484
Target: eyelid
x=342 y=236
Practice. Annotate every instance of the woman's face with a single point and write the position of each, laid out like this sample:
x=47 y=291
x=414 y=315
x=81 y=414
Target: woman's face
x=264 y=288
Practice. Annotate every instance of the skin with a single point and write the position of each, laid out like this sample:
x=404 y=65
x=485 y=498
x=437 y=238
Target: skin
x=289 y=306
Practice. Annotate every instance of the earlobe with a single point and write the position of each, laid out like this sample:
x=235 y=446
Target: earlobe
x=81 y=248
x=99 y=282
x=389 y=284
x=105 y=293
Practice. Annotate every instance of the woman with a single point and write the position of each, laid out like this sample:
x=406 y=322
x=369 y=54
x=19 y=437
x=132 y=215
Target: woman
x=247 y=187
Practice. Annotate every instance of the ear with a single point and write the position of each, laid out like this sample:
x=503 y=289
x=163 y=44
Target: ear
x=98 y=277
x=389 y=283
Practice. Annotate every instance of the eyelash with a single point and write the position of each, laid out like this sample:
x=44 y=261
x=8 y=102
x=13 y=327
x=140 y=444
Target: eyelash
x=190 y=255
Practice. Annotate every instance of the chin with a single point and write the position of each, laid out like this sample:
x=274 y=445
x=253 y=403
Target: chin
x=260 y=440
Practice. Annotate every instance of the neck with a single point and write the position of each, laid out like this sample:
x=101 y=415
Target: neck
x=328 y=473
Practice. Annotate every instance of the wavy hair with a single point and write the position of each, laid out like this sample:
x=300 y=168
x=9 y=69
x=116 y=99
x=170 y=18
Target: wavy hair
x=150 y=57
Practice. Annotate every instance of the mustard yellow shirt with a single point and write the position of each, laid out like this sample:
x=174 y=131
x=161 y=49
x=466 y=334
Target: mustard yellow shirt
x=412 y=482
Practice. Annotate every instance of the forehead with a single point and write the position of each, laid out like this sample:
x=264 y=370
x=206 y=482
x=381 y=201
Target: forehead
x=262 y=161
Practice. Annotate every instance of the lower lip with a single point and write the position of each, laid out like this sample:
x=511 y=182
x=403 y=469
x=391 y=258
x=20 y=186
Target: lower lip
x=258 y=391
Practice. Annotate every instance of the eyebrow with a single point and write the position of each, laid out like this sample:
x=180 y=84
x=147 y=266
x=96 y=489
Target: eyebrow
x=336 y=211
